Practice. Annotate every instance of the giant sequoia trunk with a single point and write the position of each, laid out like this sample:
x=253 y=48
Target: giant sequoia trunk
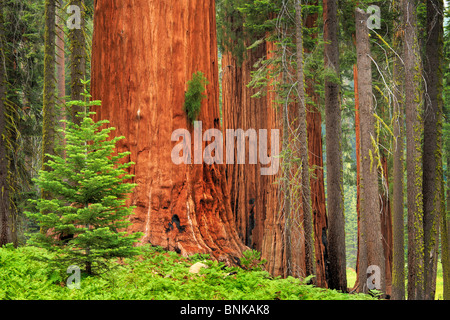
x=318 y=204
x=386 y=223
x=252 y=195
x=254 y=198
x=144 y=52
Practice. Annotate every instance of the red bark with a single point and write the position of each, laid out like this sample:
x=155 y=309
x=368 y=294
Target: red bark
x=253 y=196
x=144 y=52
x=318 y=202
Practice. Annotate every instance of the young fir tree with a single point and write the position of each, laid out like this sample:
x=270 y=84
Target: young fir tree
x=83 y=220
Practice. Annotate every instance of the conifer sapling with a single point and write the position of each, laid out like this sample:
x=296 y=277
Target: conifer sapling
x=83 y=222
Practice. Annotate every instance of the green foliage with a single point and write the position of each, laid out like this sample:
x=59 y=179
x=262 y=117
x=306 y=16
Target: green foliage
x=194 y=95
x=154 y=274
x=240 y=23
x=82 y=222
x=23 y=51
x=251 y=260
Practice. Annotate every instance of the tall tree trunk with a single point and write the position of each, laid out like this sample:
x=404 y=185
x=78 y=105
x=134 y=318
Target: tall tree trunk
x=49 y=111
x=414 y=128
x=433 y=202
x=60 y=63
x=5 y=205
x=318 y=202
x=398 y=258
x=303 y=139
x=386 y=223
x=371 y=247
x=60 y=57
x=253 y=196
x=77 y=60
x=183 y=207
x=358 y=170
x=335 y=189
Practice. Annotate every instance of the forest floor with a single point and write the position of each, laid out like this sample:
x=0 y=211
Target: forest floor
x=154 y=274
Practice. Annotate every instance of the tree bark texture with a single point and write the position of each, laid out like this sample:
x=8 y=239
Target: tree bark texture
x=414 y=129
x=315 y=145
x=5 y=205
x=335 y=189
x=433 y=201
x=371 y=247
x=143 y=55
x=398 y=229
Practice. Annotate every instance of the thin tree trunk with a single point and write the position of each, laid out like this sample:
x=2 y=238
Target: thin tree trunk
x=60 y=58
x=49 y=107
x=335 y=189
x=303 y=139
x=414 y=129
x=60 y=64
x=398 y=269
x=371 y=247
x=286 y=193
x=445 y=236
x=433 y=203
x=77 y=60
x=358 y=170
x=386 y=223
x=5 y=205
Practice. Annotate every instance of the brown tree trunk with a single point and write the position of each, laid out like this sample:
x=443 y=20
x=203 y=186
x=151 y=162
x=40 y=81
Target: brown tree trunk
x=358 y=171
x=305 y=204
x=49 y=112
x=433 y=202
x=371 y=247
x=386 y=224
x=335 y=188
x=398 y=268
x=252 y=195
x=60 y=65
x=273 y=248
x=318 y=202
x=143 y=55
x=77 y=61
x=414 y=129
x=5 y=205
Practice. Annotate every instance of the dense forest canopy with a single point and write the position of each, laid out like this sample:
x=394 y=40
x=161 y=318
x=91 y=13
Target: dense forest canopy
x=309 y=139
